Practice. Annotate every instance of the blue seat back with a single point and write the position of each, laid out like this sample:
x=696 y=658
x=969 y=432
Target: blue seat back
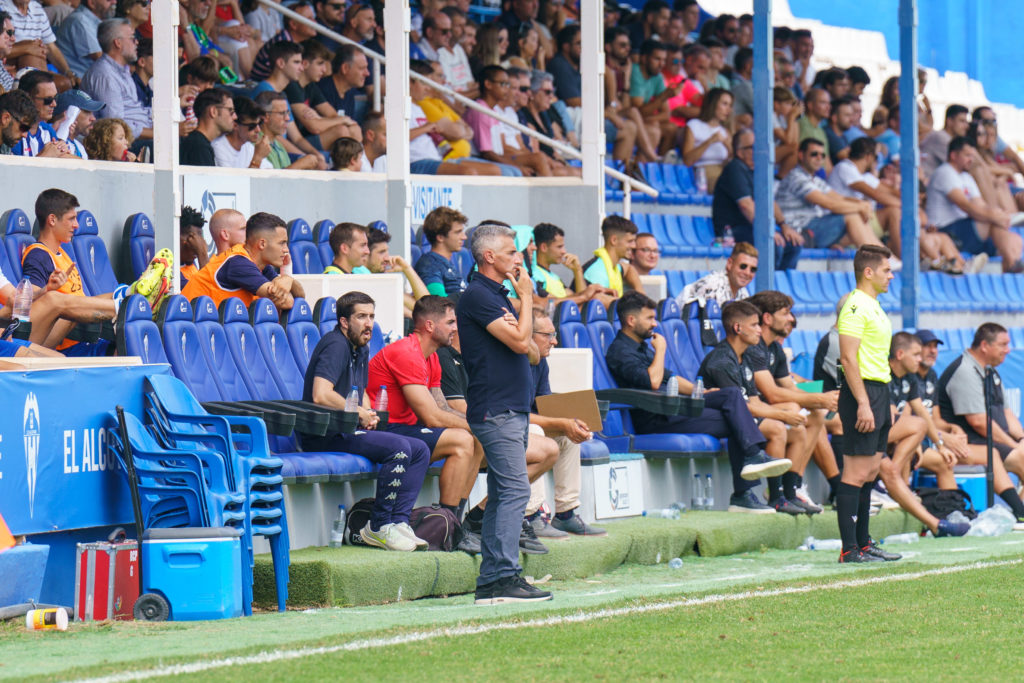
x=322 y=239
x=569 y=326
x=138 y=244
x=377 y=340
x=139 y=335
x=325 y=314
x=463 y=258
x=5 y=267
x=181 y=344
x=302 y=334
x=214 y=345
x=305 y=254
x=17 y=230
x=277 y=352
x=245 y=350
x=92 y=258
x=414 y=254
x=600 y=334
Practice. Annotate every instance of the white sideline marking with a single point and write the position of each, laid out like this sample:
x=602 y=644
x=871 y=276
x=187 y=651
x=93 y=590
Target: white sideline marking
x=558 y=620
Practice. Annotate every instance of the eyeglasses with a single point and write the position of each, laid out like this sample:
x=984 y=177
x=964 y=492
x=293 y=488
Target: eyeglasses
x=747 y=266
x=230 y=110
x=47 y=101
x=988 y=122
x=547 y=91
x=336 y=5
x=524 y=88
x=444 y=31
x=816 y=155
x=502 y=84
x=24 y=126
x=250 y=126
x=744 y=148
x=677 y=61
x=552 y=336
x=649 y=250
x=10 y=32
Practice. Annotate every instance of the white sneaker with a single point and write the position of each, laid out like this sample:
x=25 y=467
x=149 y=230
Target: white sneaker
x=388 y=537
x=882 y=500
x=411 y=535
x=977 y=263
x=805 y=498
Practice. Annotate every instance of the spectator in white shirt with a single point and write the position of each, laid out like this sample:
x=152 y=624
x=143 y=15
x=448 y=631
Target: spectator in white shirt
x=955 y=207
x=706 y=142
x=246 y=146
x=375 y=143
x=457 y=72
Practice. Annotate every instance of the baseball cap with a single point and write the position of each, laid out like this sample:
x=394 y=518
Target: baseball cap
x=76 y=98
x=927 y=337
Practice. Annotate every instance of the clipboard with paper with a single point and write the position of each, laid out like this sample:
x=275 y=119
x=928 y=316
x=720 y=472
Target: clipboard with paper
x=580 y=405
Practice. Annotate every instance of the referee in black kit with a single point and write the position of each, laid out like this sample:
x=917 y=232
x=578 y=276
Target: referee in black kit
x=865 y=334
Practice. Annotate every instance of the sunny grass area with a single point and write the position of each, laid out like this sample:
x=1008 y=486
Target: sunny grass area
x=965 y=625
x=678 y=641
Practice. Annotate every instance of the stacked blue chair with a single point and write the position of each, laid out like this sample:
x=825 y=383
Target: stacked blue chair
x=91 y=256
x=304 y=253
x=138 y=244
x=17 y=232
x=322 y=239
x=184 y=350
x=181 y=422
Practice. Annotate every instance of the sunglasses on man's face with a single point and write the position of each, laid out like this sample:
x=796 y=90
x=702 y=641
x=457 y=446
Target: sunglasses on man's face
x=816 y=155
x=47 y=101
x=524 y=88
x=250 y=126
x=10 y=32
x=747 y=266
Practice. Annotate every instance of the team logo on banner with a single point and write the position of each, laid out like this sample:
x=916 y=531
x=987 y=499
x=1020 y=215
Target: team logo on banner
x=618 y=487
x=31 y=434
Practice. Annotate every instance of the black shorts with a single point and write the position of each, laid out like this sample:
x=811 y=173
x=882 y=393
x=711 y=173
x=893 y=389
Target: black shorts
x=870 y=443
x=427 y=435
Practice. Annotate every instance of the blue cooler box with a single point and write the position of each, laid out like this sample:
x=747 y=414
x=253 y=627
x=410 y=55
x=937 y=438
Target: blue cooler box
x=198 y=570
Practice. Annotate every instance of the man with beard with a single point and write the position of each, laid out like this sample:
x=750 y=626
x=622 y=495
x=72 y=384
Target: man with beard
x=17 y=114
x=725 y=285
x=410 y=372
x=109 y=80
x=635 y=364
x=338 y=367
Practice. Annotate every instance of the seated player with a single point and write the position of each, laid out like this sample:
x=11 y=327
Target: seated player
x=636 y=365
x=410 y=372
x=911 y=423
x=58 y=285
x=249 y=271
x=962 y=402
x=606 y=269
x=568 y=433
x=350 y=246
x=445 y=229
x=192 y=246
x=731 y=364
x=774 y=381
x=340 y=363
x=381 y=260
x=550 y=244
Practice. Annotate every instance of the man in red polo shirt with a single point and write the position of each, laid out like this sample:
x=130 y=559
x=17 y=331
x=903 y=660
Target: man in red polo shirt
x=410 y=371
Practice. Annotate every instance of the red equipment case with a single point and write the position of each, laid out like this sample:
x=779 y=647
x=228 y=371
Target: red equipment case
x=106 y=580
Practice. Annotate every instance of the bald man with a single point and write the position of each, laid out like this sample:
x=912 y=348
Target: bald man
x=227 y=228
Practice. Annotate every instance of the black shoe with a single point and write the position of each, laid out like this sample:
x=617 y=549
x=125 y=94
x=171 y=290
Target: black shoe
x=807 y=508
x=474 y=525
x=873 y=549
x=749 y=503
x=509 y=589
x=855 y=555
x=528 y=542
x=763 y=465
x=782 y=505
x=470 y=542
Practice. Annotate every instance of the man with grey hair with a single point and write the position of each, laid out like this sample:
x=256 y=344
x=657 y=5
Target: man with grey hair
x=76 y=35
x=109 y=79
x=495 y=345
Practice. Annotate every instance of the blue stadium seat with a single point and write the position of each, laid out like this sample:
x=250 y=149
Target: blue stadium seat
x=463 y=258
x=137 y=334
x=17 y=230
x=322 y=239
x=277 y=351
x=214 y=345
x=801 y=290
x=996 y=287
x=303 y=334
x=325 y=314
x=377 y=340
x=5 y=267
x=245 y=351
x=184 y=351
x=683 y=360
x=414 y=254
x=675 y=282
x=138 y=244
x=569 y=326
x=305 y=255
x=91 y=256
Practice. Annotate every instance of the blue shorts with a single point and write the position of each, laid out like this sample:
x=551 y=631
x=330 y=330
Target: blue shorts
x=427 y=435
x=425 y=167
x=965 y=237
x=827 y=230
x=10 y=348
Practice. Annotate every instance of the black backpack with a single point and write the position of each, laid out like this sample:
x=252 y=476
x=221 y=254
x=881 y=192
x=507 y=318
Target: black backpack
x=943 y=502
x=357 y=518
x=437 y=526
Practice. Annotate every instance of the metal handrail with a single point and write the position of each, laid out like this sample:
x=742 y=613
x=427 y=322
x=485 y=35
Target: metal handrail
x=628 y=183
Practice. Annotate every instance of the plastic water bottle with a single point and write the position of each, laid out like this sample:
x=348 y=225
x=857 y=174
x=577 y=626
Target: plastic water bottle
x=698 y=388
x=382 y=399
x=812 y=543
x=338 y=530
x=902 y=538
x=352 y=402
x=697 y=494
x=709 y=493
x=675 y=563
x=700 y=177
x=23 y=300
x=664 y=513
x=672 y=389
x=727 y=239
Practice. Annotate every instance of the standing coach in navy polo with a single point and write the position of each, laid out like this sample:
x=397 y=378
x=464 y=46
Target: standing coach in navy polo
x=495 y=345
